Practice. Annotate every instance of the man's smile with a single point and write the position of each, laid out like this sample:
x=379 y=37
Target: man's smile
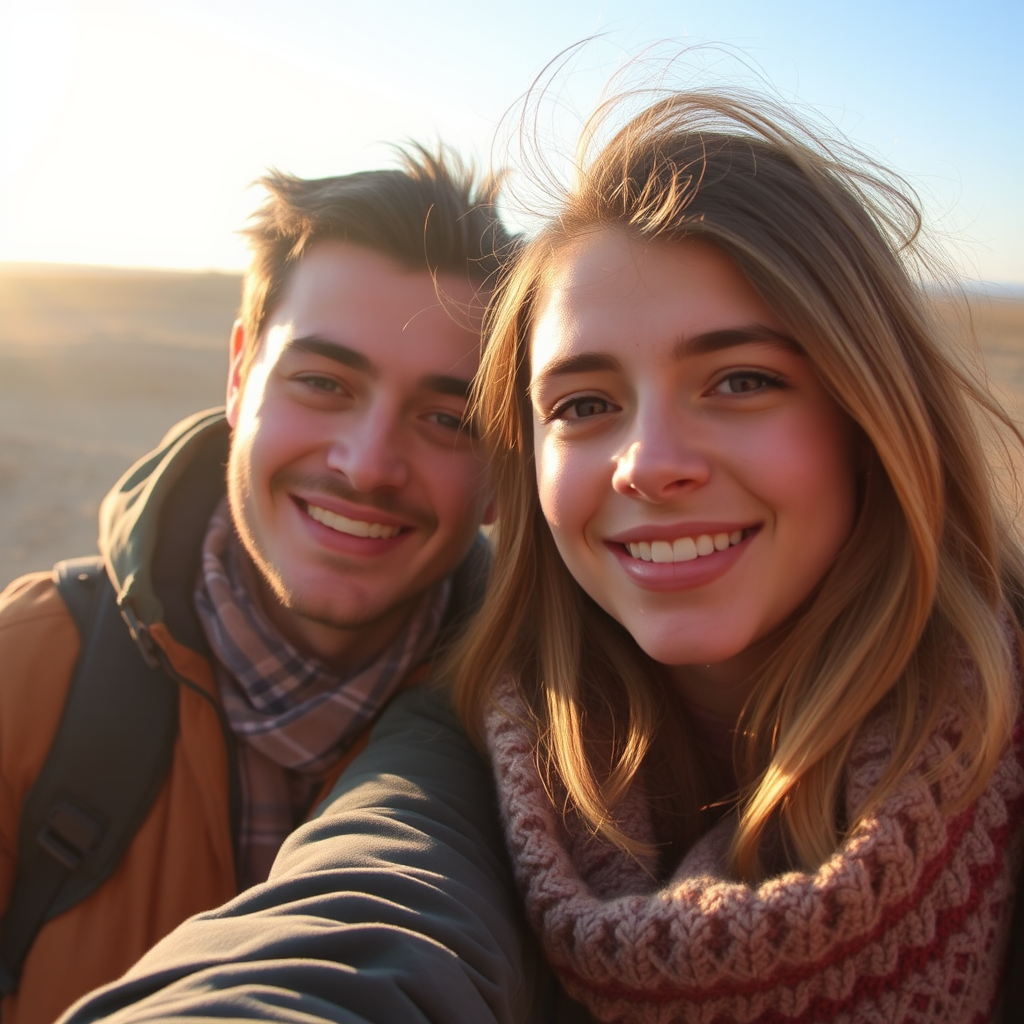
x=353 y=527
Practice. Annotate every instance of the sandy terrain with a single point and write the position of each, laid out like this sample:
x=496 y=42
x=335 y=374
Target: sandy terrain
x=96 y=365
x=94 y=368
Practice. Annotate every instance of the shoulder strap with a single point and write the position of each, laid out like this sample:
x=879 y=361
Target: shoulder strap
x=108 y=761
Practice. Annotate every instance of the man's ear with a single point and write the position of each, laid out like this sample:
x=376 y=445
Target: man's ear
x=234 y=394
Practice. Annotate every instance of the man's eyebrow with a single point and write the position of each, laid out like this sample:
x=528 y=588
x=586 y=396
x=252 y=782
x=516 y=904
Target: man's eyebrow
x=442 y=383
x=336 y=352
x=730 y=337
x=446 y=385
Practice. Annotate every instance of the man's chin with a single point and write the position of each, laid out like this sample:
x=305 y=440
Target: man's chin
x=326 y=616
x=334 y=608
x=331 y=615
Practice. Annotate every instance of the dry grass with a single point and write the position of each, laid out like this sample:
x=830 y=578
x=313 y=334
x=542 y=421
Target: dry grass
x=96 y=365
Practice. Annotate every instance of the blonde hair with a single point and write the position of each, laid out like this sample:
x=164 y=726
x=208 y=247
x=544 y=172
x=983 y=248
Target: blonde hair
x=921 y=584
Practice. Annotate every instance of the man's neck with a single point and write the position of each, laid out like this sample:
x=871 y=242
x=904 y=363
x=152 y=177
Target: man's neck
x=341 y=648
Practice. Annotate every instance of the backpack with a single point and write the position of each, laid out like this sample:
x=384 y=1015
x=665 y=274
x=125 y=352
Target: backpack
x=109 y=758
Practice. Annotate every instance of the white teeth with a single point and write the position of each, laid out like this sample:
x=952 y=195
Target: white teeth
x=661 y=551
x=354 y=527
x=684 y=549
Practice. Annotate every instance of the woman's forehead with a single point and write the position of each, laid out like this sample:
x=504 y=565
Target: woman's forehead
x=610 y=290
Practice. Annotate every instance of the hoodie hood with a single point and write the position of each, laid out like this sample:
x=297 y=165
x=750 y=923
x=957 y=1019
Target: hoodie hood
x=153 y=521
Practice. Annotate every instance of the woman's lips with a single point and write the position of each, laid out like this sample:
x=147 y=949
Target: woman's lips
x=691 y=560
x=684 y=549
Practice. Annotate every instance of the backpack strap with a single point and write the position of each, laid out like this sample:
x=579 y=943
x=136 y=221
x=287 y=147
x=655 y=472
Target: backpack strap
x=109 y=758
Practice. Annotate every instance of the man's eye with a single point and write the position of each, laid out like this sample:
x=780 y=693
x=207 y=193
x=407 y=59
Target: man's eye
x=327 y=385
x=452 y=421
x=744 y=382
x=446 y=419
x=582 y=408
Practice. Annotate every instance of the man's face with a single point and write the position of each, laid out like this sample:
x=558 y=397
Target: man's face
x=353 y=481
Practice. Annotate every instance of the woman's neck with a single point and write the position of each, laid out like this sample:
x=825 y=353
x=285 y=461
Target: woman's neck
x=722 y=689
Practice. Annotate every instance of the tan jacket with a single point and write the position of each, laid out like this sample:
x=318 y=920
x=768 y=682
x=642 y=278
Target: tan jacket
x=181 y=860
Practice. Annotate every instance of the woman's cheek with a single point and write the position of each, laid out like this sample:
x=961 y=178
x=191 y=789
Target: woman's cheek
x=553 y=466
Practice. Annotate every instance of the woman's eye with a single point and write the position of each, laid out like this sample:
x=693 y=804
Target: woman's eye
x=582 y=408
x=744 y=382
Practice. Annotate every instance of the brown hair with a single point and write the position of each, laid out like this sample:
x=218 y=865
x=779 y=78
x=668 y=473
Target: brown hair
x=430 y=214
x=924 y=578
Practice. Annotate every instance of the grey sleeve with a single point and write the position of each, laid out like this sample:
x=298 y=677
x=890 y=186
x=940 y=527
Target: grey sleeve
x=396 y=904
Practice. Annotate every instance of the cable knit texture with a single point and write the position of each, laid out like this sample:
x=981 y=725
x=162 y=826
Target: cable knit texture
x=906 y=922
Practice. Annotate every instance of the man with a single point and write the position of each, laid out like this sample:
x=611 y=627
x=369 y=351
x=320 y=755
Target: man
x=290 y=601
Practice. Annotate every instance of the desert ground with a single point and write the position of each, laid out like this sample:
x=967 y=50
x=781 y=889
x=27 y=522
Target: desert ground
x=96 y=365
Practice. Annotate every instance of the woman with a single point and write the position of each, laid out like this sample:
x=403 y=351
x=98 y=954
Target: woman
x=748 y=666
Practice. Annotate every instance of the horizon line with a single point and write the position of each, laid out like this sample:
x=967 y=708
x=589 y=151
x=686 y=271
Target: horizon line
x=990 y=289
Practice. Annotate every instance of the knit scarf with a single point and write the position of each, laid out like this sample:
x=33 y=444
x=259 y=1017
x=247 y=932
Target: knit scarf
x=294 y=716
x=907 y=921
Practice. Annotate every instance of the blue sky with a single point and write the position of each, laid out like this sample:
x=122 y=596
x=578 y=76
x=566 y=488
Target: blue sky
x=131 y=129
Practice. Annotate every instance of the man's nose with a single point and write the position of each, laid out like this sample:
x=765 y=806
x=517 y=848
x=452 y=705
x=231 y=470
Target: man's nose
x=664 y=454
x=369 y=451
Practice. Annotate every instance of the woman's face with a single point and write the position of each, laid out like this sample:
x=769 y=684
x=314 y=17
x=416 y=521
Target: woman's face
x=696 y=474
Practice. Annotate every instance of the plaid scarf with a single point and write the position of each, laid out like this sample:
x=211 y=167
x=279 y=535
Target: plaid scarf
x=294 y=716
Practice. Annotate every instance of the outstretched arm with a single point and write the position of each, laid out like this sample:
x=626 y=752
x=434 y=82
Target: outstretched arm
x=395 y=904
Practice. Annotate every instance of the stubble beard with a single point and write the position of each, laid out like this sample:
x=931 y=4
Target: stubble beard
x=274 y=588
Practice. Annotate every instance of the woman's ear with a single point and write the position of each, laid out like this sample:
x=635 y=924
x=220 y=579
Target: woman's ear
x=235 y=379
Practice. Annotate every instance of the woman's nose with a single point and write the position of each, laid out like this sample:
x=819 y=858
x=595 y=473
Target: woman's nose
x=663 y=456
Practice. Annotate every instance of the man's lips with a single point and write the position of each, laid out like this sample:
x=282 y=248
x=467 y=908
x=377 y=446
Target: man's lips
x=354 y=527
x=368 y=523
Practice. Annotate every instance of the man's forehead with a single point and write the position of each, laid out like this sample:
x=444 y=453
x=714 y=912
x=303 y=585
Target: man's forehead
x=352 y=294
x=334 y=271
x=334 y=265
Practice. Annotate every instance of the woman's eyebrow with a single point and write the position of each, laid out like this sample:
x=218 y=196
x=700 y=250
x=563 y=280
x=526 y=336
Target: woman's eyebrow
x=691 y=345
x=580 y=362
x=730 y=337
